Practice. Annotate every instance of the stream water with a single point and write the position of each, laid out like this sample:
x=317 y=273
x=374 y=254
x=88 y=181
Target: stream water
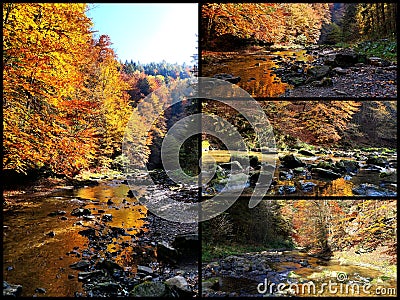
x=34 y=259
x=295 y=269
x=257 y=70
x=342 y=186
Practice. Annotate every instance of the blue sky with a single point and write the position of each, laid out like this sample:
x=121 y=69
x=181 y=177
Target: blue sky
x=148 y=32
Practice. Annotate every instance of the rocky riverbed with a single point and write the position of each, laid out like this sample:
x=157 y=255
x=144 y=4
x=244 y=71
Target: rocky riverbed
x=97 y=240
x=311 y=72
x=318 y=172
x=259 y=273
x=339 y=73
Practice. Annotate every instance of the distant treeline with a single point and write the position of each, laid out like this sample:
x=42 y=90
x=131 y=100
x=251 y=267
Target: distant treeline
x=162 y=68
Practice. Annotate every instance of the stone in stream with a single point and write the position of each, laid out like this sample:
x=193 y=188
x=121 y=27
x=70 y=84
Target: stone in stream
x=90 y=232
x=82 y=276
x=108 y=286
x=150 y=289
x=283 y=175
x=377 y=160
x=11 y=290
x=80 y=265
x=57 y=213
x=349 y=166
x=299 y=170
x=326 y=173
x=81 y=212
x=290 y=161
x=108 y=265
x=318 y=72
x=306 y=186
x=179 y=283
x=306 y=152
x=339 y=71
x=287 y=189
x=107 y=217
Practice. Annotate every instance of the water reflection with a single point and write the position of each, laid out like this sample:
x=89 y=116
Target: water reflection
x=256 y=70
x=294 y=186
x=33 y=259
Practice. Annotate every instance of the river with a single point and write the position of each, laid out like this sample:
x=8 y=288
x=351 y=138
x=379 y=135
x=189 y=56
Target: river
x=292 y=181
x=258 y=274
x=43 y=237
x=257 y=70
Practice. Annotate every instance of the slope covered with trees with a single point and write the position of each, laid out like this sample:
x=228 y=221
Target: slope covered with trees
x=266 y=23
x=319 y=226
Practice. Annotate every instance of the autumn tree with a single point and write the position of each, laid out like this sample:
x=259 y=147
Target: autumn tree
x=63 y=101
x=366 y=225
x=263 y=22
x=314 y=122
x=43 y=45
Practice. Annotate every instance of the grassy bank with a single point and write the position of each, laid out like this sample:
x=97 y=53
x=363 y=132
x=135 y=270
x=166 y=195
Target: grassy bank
x=211 y=252
x=377 y=260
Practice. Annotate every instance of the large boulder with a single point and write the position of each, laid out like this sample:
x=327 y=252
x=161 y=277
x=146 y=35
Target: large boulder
x=306 y=152
x=189 y=241
x=319 y=72
x=166 y=252
x=377 y=160
x=323 y=173
x=179 y=284
x=290 y=161
x=150 y=289
x=346 y=58
x=349 y=166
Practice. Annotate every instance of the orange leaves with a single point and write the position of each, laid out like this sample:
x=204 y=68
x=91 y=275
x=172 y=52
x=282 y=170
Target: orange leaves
x=267 y=22
x=59 y=88
x=315 y=122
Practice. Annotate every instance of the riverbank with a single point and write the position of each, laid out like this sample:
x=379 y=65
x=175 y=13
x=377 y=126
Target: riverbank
x=315 y=71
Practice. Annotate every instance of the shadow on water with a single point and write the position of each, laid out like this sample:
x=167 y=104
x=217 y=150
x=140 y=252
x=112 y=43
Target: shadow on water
x=34 y=259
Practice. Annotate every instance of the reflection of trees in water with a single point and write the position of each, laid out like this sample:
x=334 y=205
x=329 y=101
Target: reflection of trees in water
x=256 y=75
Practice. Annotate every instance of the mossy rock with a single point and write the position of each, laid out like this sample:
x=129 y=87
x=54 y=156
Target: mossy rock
x=150 y=289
